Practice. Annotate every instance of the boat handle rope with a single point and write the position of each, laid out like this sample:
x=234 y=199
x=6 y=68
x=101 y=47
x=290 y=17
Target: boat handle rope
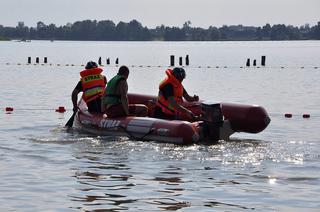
x=134 y=137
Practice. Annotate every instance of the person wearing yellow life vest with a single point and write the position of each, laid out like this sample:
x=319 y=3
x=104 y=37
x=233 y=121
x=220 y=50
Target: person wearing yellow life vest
x=115 y=99
x=171 y=94
x=92 y=85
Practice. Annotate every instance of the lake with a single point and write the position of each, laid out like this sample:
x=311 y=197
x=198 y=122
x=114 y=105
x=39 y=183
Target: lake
x=44 y=167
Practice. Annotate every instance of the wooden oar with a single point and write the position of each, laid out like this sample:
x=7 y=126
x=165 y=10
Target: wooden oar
x=70 y=122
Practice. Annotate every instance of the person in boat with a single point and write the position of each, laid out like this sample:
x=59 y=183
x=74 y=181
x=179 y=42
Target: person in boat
x=170 y=95
x=92 y=85
x=115 y=99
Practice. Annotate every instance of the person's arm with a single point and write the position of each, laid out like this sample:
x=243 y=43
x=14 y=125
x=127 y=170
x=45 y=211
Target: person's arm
x=189 y=98
x=180 y=108
x=123 y=90
x=74 y=98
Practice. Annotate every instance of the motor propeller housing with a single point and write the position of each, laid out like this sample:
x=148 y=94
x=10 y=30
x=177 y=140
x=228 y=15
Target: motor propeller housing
x=212 y=120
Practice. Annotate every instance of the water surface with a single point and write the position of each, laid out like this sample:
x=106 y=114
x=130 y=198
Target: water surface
x=46 y=168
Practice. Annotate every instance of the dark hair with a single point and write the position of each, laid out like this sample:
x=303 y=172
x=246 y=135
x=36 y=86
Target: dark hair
x=123 y=71
x=179 y=73
x=91 y=64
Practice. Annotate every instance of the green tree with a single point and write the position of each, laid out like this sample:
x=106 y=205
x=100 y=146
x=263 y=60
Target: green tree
x=266 y=32
x=279 y=32
x=121 y=31
x=315 y=32
x=106 y=30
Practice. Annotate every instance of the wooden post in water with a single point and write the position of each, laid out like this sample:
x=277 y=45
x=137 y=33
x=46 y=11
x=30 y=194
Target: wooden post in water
x=108 y=61
x=37 y=59
x=29 y=60
x=263 y=60
x=180 y=61
x=99 y=61
x=171 y=60
x=187 y=60
x=254 y=62
x=248 y=62
x=45 y=60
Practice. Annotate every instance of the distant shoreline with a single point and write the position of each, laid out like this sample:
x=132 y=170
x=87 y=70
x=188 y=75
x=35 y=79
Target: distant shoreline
x=14 y=40
x=4 y=39
x=92 y=30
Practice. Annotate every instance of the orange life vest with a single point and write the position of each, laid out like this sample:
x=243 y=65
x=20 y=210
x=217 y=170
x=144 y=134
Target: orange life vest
x=93 y=84
x=162 y=102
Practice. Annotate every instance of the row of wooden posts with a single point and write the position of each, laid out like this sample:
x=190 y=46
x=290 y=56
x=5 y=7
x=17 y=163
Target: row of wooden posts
x=45 y=60
x=263 y=61
x=172 y=61
x=108 y=61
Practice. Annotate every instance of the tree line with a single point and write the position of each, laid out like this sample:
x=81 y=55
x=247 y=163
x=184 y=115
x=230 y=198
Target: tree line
x=92 y=30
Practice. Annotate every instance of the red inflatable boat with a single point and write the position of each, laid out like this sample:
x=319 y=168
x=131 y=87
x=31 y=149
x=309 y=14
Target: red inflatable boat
x=218 y=122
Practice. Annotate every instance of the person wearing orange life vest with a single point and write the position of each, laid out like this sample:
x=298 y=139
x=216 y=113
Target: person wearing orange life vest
x=92 y=84
x=171 y=94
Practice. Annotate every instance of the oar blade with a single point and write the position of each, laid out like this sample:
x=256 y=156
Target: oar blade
x=70 y=122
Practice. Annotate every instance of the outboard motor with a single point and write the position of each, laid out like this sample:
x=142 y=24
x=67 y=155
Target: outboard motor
x=212 y=120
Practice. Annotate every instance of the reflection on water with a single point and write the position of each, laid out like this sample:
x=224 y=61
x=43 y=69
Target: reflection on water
x=107 y=179
x=105 y=174
x=99 y=180
x=225 y=206
x=113 y=175
x=168 y=204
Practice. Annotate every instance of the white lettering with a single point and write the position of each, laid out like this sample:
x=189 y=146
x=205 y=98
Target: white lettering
x=108 y=123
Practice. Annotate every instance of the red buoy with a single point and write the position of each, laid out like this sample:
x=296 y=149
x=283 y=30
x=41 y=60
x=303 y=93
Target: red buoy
x=9 y=109
x=306 y=116
x=61 y=109
x=288 y=115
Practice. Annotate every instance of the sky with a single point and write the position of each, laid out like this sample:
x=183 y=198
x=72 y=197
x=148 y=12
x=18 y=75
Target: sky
x=152 y=13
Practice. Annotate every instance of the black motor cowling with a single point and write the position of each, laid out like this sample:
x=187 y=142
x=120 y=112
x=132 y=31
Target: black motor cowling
x=212 y=120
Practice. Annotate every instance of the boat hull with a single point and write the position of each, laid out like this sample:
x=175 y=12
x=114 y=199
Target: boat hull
x=237 y=118
x=242 y=117
x=140 y=128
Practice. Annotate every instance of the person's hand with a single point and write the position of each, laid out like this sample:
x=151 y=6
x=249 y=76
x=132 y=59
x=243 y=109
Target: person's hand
x=75 y=109
x=198 y=118
x=190 y=115
x=195 y=98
